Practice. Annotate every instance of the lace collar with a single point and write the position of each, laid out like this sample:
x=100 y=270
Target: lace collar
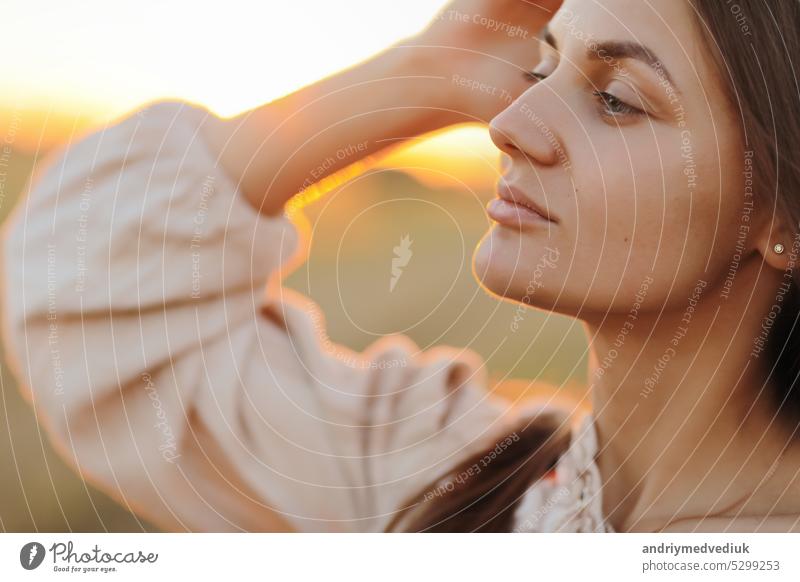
x=571 y=500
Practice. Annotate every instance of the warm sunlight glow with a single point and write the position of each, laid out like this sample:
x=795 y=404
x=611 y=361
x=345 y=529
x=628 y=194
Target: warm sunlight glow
x=101 y=60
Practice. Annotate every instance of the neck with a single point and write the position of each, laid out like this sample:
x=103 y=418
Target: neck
x=682 y=405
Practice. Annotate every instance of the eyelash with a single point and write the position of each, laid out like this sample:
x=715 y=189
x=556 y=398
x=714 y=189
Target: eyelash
x=609 y=102
x=611 y=106
x=534 y=76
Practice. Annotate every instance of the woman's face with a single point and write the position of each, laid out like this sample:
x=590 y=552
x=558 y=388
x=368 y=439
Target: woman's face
x=644 y=182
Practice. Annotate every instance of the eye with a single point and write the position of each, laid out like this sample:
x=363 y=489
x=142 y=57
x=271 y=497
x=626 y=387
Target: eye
x=612 y=106
x=545 y=67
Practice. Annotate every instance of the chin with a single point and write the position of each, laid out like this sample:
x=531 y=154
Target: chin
x=504 y=268
x=497 y=264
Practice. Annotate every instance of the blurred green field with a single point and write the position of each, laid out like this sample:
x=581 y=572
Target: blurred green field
x=435 y=301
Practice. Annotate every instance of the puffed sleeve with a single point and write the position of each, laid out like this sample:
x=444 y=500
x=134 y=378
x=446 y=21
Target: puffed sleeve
x=146 y=323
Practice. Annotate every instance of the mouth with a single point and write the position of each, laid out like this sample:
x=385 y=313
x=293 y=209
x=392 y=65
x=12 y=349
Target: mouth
x=512 y=206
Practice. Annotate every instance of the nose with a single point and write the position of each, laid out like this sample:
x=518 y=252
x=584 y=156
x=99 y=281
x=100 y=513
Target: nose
x=521 y=130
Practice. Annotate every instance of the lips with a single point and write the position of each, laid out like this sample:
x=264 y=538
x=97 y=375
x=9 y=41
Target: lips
x=512 y=194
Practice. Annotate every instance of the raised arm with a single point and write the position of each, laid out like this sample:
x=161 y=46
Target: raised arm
x=466 y=66
x=135 y=319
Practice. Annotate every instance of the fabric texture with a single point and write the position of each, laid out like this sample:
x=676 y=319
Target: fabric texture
x=146 y=322
x=572 y=500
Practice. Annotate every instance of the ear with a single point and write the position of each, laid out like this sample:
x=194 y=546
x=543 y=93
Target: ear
x=775 y=232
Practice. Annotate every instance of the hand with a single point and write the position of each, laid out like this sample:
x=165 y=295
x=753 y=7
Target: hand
x=483 y=48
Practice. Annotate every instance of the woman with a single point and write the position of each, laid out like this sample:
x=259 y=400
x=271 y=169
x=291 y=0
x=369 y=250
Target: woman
x=648 y=156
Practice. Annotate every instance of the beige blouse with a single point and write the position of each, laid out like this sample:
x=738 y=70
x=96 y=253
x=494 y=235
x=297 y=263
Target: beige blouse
x=145 y=319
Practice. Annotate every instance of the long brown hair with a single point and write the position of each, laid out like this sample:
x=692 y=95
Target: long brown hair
x=484 y=500
x=753 y=43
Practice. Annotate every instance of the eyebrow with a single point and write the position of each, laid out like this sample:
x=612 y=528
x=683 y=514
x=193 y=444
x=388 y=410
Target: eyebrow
x=619 y=50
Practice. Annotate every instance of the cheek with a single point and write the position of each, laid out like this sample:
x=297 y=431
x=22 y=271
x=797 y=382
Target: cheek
x=643 y=218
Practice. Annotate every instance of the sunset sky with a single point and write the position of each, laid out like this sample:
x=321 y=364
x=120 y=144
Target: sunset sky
x=73 y=65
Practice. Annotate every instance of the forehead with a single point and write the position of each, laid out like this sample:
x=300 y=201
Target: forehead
x=669 y=29
x=634 y=19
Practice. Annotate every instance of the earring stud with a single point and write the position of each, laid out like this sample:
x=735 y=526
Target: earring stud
x=778 y=248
